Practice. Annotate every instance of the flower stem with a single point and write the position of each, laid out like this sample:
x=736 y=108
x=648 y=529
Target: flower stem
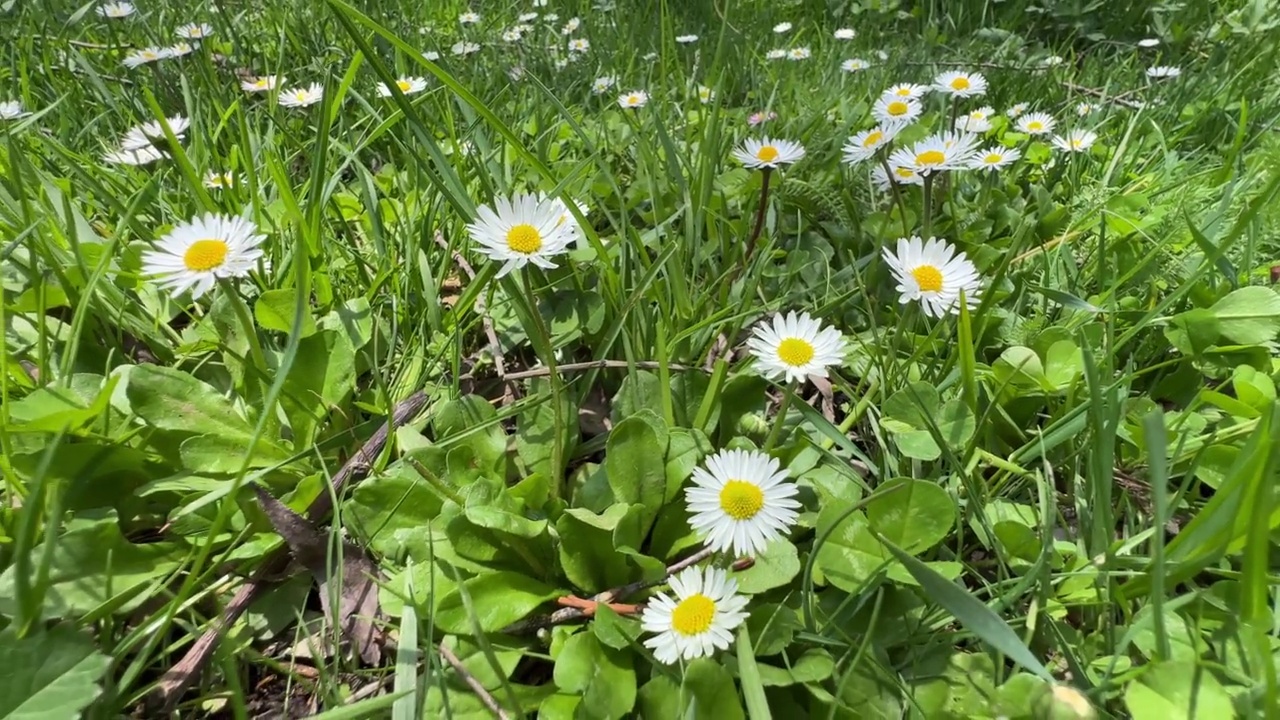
x=759 y=226
x=247 y=325
x=776 y=432
x=897 y=196
x=557 y=388
x=926 y=219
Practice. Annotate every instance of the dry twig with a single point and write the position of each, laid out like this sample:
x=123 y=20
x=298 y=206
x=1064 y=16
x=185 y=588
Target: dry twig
x=470 y=680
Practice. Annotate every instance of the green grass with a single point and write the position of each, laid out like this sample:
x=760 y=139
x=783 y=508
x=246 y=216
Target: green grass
x=1057 y=499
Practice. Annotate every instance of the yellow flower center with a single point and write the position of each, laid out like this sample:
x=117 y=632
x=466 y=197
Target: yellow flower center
x=768 y=153
x=633 y=99
x=795 y=351
x=148 y=55
x=693 y=615
x=928 y=277
x=1035 y=126
x=205 y=255
x=404 y=85
x=903 y=92
x=1076 y=144
x=904 y=172
x=977 y=115
x=960 y=83
x=260 y=83
x=524 y=239
x=993 y=158
x=741 y=500
x=300 y=96
x=873 y=139
x=898 y=107
x=931 y=157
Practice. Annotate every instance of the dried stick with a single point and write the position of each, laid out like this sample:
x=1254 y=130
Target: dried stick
x=179 y=677
x=571 y=614
x=472 y=683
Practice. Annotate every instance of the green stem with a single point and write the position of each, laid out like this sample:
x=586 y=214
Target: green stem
x=776 y=432
x=246 y=323
x=897 y=195
x=557 y=387
x=759 y=226
x=926 y=218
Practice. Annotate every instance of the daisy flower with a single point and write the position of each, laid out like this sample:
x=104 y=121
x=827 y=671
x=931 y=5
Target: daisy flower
x=527 y=17
x=539 y=3
x=196 y=254
x=571 y=27
x=522 y=229
x=261 y=83
x=146 y=55
x=406 y=85
x=699 y=620
x=516 y=73
x=301 y=97
x=936 y=153
x=775 y=55
x=1148 y=42
x=1161 y=72
x=863 y=145
x=464 y=48
x=854 y=65
x=994 y=158
x=469 y=18
x=1052 y=61
x=705 y=94
x=906 y=91
x=602 y=84
x=902 y=175
x=431 y=55
x=12 y=110
x=1075 y=141
x=1016 y=111
x=782 y=27
x=893 y=109
x=115 y=10
x=1036 y=123
x=180 y=49
x=194 y=31
x=215 y=180
x=759 y=118
x=512 y=35
x=686 y=39
x=1084 y=109
x=961 y=84
x=633 y=99
x=741 y=501
x=844 y=34
x=141 y=156
x=793 y=347
x=933 y=273
x=150 y=133
x=767 y=153
x=800 y=53
x=977 y=121
x=579 y=45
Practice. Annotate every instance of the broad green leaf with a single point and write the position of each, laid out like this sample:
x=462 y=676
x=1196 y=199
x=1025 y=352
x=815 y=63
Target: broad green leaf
x=170 y=399
x=587 y=553
x=396 y=499
x=775 y=567
x=814 y=665
x=710 y=691
x=275 y=309
x=1177 y=691
x=322 y=377
x=473 y=416
x=497 y=600
x=602 y=675
x=916 y=516
x=634 y=463
x=1249 y=316
x=49 y=675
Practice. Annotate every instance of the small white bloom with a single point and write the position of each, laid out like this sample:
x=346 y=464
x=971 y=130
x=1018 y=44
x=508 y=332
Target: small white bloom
x=1016 y=111
x=1084 y=109
x=893 y=109
x=571 y=27
x=522 y=229
x=1052 y=61
x=936 y=153
x=527 y=17
x=116 y=10
x=994 y=158
x=141 y=156
x=854 y=65
x=686 y=39
x=863 y=146
x=431 y=55
x=180 y=49
x=906 y=91
x=602 y=84
x=464 y=48
x=768 y=153
x=1148 y=42
x=579 y=45
x=700 y=620
x=800 y=53
x=705 y=94
x=740 y=501
x=902 y=175
x=933 y=273
x=195 y=254
x=194 y=31
x=12 y=110
x=633 y=99
x=782 y=27
x=406 y=85
x=215 y=180
x=845 y=34
x=1076 y=141
x=1036 y=123
x=150 y=133
x=775 y=54
x=976 y=121
x=1161 y=72
x=793 y=347
x=146 y=55
x=263 y=83
x=469 y=18
x=961 y=84
x=301 y=97
x=513 y=35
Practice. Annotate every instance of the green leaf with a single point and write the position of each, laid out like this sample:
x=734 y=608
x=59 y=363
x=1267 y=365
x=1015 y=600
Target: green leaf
x=274 y=310
x=50 y=675
x=775 y=567
x=323 y=376
x=634 y=463
x=587 y=553
x=640 y=390
x=970 y=612
x=536 y=428
x=474 y=417
x=711 y=692
x=1177 y=691
x=1249 y=316
x=749 y=675
x=916 y=516
x=851 y=554
x=497 y=600
x=92 y=566
x=602 y=675
x=396 y=499
x=815 y=665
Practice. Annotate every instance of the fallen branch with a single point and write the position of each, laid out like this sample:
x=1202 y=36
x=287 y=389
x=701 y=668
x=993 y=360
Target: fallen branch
x=470 y=680
x=178 y=678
